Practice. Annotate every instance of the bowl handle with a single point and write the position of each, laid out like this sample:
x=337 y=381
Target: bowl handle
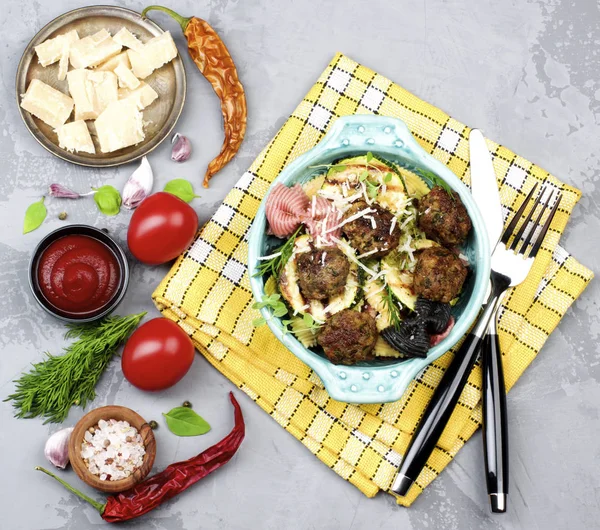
x=357 y=132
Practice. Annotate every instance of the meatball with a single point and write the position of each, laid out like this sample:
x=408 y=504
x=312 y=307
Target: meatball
x=444 y=218
x=439 y=274
x=322 y=273
x=372 y=232
x=348 y=337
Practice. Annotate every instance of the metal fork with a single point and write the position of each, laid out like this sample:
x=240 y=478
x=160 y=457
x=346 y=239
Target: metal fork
x=511 y=264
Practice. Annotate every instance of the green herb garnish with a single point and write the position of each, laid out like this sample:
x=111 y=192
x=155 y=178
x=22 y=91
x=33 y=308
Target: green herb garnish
x=389 y=299
x=107 y=199
x=334 y=168
x=280 y=257
x=52 y=386
x=34 y=216
x=273 y=302
x=310 y=323
x=394 y=169
x=181 y=188
x=183 y=421
x=437 y=181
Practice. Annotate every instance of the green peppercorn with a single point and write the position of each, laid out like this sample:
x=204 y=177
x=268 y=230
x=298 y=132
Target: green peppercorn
x=62 y=216
x=187 y=404
x=153 y=425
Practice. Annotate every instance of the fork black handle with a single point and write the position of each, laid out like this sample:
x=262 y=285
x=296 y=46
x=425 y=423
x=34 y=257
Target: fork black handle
x=495 y=425
x=445 y=397
x=437 y=414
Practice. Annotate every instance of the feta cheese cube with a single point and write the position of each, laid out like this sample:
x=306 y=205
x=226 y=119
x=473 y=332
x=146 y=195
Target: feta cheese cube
x=115 y=61
x=51 y=50
x=92 y=92
x=119 y=126
x=126 y=77
x=75 y=136
x=142 y=96
x=46 y=103
x=127 y=39
x=93 y=50
x=156 y=52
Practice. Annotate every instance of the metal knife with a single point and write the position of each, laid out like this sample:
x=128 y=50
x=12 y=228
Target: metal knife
x=495 y=427
x=484 y=187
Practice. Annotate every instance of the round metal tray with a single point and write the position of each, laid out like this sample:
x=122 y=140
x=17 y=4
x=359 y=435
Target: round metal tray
x=168 y=81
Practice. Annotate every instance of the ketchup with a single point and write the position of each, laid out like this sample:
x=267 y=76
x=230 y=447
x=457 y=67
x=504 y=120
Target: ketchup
x=78 y=274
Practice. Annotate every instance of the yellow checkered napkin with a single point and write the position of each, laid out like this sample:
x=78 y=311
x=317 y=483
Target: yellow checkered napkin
x=208 y=293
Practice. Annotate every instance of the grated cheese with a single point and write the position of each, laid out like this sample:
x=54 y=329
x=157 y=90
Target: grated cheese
x=364 y=255
x=393 y=225
x=270 y=256
x=357 y=215
x=352 y=257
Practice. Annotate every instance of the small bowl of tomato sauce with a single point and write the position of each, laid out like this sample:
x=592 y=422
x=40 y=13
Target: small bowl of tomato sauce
x=78 y=273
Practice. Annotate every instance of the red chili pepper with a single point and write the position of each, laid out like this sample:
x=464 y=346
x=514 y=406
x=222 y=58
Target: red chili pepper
x=176 y=478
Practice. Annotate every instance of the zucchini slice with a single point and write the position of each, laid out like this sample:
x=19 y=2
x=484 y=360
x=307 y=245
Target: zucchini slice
x=290 y=288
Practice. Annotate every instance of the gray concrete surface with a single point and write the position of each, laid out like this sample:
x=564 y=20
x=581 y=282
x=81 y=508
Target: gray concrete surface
x=524 y=72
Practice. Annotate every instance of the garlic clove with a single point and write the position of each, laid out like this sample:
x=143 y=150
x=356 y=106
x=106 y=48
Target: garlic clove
x=62 y=192
x=56 y=450
x=139 y=185
x=182 y=148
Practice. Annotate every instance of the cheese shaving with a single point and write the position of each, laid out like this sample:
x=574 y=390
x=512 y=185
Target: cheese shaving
x=357 y=215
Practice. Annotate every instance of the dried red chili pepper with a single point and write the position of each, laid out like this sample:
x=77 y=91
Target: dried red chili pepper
x=176 y=478
x=214 y=61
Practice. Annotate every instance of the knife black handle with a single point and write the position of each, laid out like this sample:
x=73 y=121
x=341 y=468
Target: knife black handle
x=437 y=414
x=495 y=425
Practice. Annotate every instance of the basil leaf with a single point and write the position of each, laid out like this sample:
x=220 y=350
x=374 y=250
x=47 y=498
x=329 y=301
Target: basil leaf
x=107 y=199
x=34 y=216
x=181 y=188
x=183 y=421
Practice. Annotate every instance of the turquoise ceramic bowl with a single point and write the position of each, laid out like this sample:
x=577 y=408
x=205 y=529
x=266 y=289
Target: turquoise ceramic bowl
x=381 y=381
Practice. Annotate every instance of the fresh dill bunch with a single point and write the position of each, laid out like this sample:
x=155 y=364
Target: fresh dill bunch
x=52 y=386
x=273 y=265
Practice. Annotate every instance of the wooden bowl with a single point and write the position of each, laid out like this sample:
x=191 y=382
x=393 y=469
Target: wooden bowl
x=106 y=413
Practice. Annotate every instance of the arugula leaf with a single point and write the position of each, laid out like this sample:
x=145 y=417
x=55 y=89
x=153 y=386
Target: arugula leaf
x=437 y=181
x=108 y=199
x=181 y=188
x=183 y=421
x=34 y=216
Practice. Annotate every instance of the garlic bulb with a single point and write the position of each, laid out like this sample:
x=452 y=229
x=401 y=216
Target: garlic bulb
x=182 y=148
x=139 y=185
x=57 y=448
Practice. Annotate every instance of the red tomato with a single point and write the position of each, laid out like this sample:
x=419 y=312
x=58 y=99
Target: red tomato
x=157 y=355
x=161 y=228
